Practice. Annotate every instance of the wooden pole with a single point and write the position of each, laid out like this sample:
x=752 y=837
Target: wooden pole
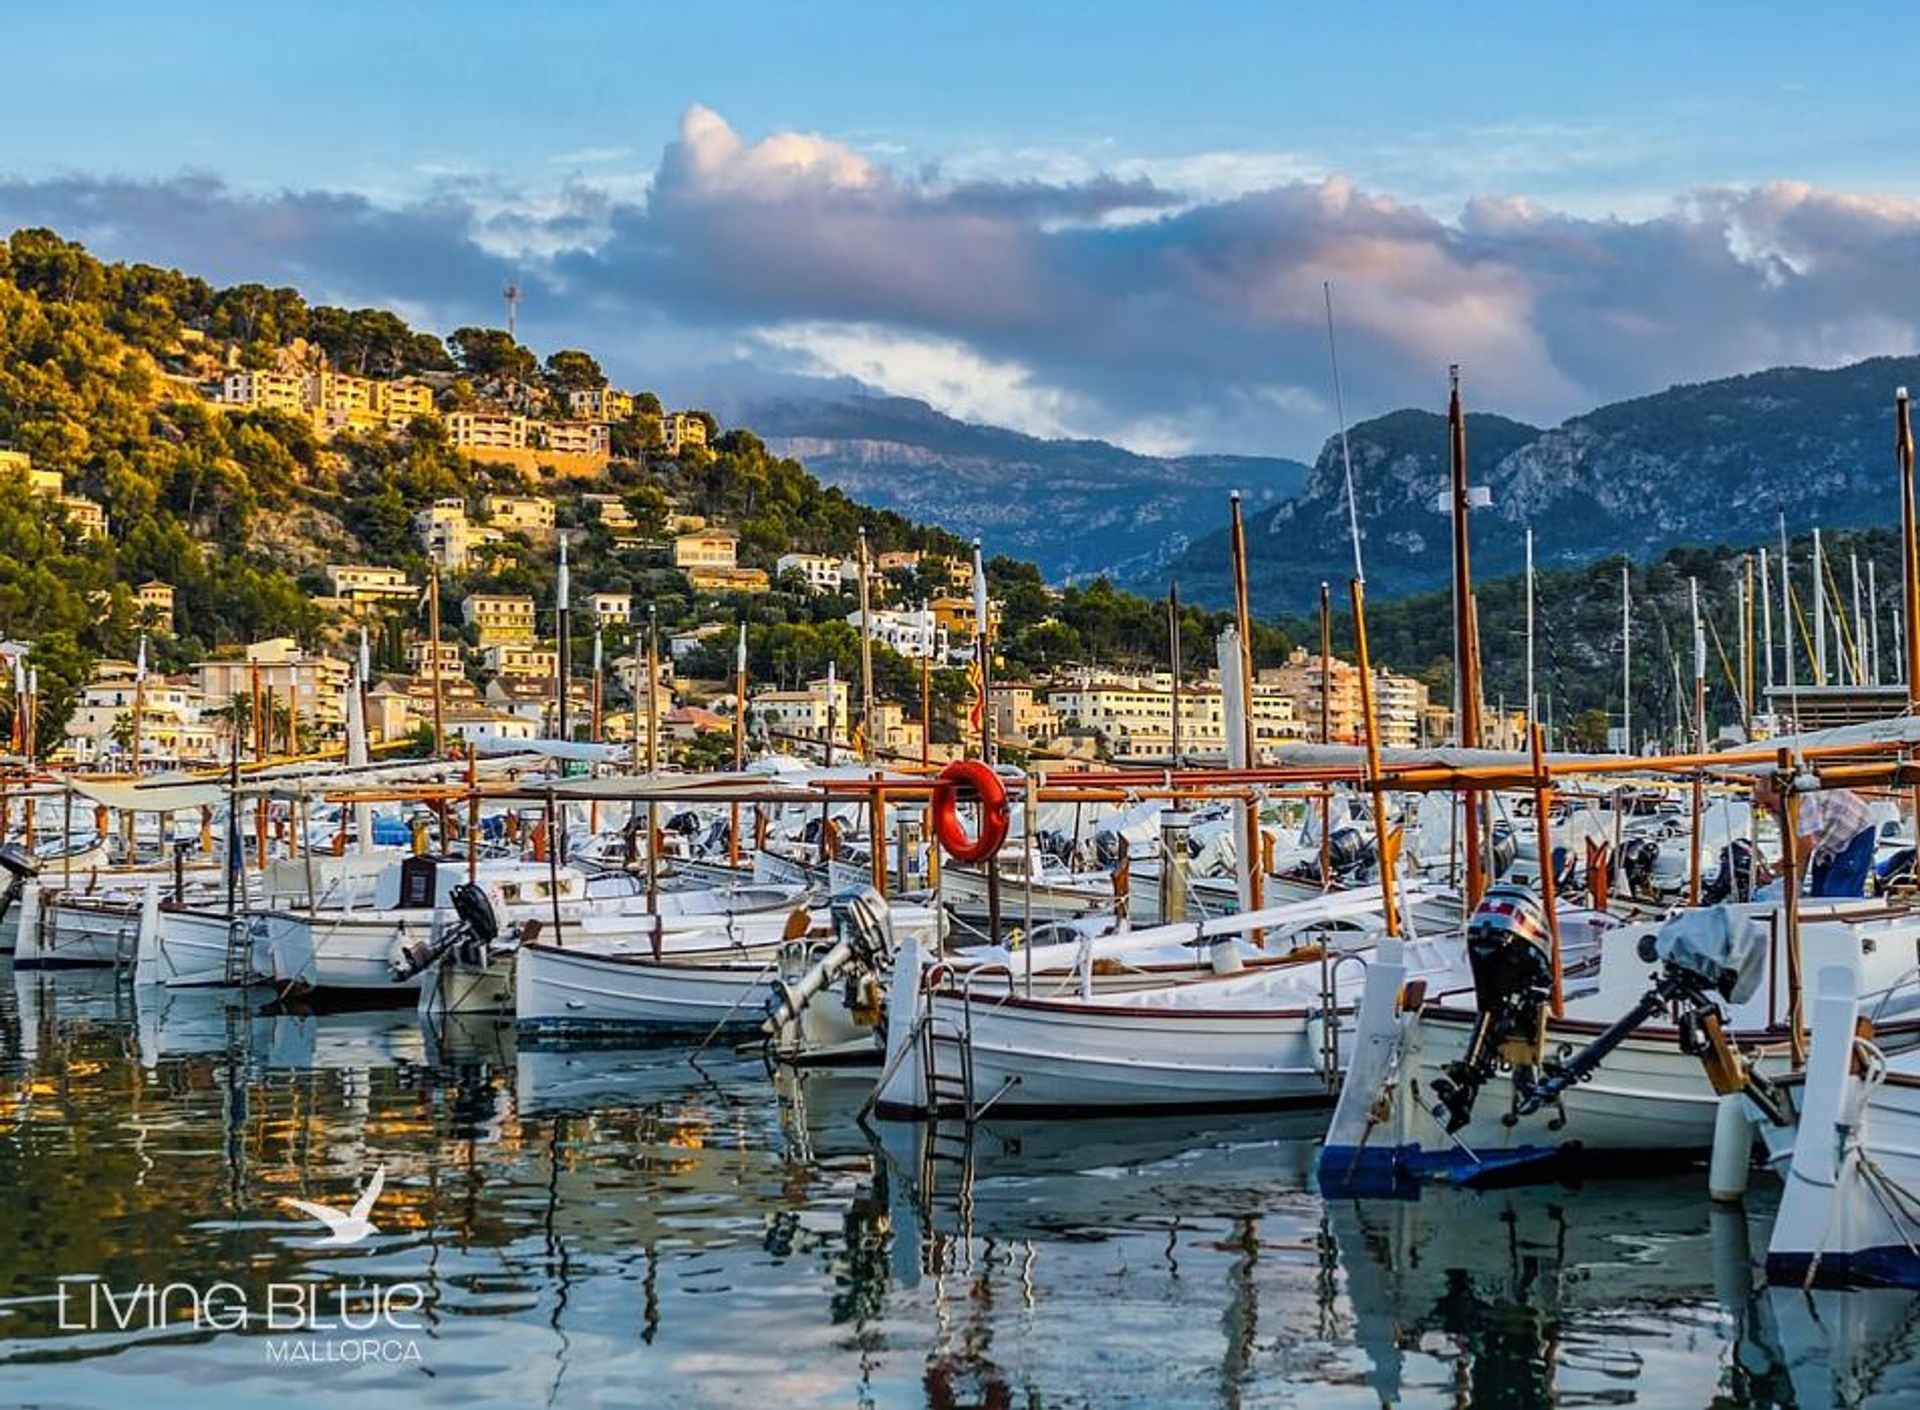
x=866 y=659
x=1385 y=848
x=1790 y=862
x=1173 y=677
x=739 y=740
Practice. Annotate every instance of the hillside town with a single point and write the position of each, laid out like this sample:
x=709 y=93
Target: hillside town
x=492 y=673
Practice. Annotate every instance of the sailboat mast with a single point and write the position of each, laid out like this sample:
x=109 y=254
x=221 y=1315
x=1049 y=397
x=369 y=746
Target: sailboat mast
x=1467 y=666
x=1173 y=677
x=1819 y=614
x=1532 y=709
x=1910 y=558
x=1766 y=618
x=1626 y=658
x=866 y=663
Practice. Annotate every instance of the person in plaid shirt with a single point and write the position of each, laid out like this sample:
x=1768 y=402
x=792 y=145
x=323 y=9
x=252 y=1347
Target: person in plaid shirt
x=1836 y=834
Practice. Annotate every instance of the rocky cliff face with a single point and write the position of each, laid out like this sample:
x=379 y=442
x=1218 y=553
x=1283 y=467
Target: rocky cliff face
x=1706 y=464
x=1078 y=509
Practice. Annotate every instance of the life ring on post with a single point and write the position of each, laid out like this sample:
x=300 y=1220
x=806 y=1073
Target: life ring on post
x=995 y=816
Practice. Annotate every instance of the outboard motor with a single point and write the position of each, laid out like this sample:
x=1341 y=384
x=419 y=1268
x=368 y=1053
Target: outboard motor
x=19 y=867
x=863 y=941
x=473 y=934
x=1707 y=957
x=1107 y=847
x=1349 y=853
x=1511 y=956
x=686 y=823
x=1733 y=878
x=1505 y=848
x=1054 y=843
x=1638 y=856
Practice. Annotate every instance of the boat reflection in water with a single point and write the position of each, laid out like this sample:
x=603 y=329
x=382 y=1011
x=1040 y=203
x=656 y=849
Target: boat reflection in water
x=628 y=1227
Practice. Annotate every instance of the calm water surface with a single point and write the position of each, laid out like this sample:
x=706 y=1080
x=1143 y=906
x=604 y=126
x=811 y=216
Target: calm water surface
x=621 y=1228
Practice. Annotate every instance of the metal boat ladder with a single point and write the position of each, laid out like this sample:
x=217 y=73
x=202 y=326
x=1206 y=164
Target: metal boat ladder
x=239 y=966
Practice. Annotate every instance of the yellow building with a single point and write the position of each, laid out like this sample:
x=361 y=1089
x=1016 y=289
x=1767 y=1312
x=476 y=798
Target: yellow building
x=1135 y=715
x=499 y=618
x=361 y=585
x=266 y=391
x=487 y=430
x=400 y=402
x=85 y=515
x=522 y=662
x=728 y=579
x=155 y=600
x=420 y=660
x=521 y=514
x=601 y=404
x=707 y=548
x=576 y=437
x=680 y=429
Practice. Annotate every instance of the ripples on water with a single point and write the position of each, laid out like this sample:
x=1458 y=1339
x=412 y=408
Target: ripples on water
x=623 y=1228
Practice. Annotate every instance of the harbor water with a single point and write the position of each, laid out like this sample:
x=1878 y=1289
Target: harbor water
x=585 y=1227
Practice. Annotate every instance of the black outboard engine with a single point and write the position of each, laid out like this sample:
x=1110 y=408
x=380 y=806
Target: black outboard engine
x=1349 y=853
x=19 y=866
x=1733 y=878
x=1505 y=848
x=1054 y=843
x=863 y=943
x=1108 y=846
x=1511 y=955
x=1637 y=858
x=686 y=823
x=472 y=935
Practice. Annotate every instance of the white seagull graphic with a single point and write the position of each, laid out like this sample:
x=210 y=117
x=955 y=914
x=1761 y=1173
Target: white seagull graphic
x=348 y=1228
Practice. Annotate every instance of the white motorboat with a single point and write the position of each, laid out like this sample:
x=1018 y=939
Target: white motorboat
x=1621 y=1075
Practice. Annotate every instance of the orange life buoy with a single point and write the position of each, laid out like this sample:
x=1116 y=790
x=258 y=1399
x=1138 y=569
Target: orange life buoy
x=995 y=816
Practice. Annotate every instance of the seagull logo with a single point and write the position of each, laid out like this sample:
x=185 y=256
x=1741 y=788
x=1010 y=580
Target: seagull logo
x=350 y=1227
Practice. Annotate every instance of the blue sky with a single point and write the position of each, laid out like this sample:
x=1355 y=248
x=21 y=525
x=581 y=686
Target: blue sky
x=1585 y=202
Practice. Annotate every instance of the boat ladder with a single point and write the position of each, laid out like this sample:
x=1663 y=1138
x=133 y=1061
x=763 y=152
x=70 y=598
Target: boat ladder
x=1330 y=966
x=239 y=966
x=946 y=1062
x=950 y=1079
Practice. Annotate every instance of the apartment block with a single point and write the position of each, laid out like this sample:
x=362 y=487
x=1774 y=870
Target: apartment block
x=487 y=430
x=707 y=548
x=681 y=429
x=499 y=618
x=521 y=514
x=822 y=571
x=362 y=585
x=600 y=404
x=576 y=437
x=266 y=391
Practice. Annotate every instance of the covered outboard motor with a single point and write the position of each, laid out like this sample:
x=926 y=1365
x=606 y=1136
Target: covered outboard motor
x=1505 y=848
x=1733 y=878
x=1638 y=855
x=473 y=934
x=18 y=866
x=1349 y=852
x=1107 y=848
x=1510 y=953
x=1054 y=843
x=863 y=940
x=686 y=823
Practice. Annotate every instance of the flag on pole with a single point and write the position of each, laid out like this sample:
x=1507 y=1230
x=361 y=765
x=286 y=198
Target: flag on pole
x=977 y=682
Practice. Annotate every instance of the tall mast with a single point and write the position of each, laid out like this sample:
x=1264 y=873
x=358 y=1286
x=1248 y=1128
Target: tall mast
x=1699 y=669
x=1626 y=657
x=1786 y=620
x=1819 y=614
x=1855 y=631
x=1766 y=618
x=433 y=651
x=1910 y=558
x=1173 y=677
x=563 y=592
x=1531 y=709
x=1467 y=663
x=1873 y=626
x=1256 y=873
x=866 y=664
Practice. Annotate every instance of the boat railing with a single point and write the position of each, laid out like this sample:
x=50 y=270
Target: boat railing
x=1331 y=963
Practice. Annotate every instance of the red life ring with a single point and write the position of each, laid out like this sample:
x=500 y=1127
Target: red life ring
x=995 y=816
